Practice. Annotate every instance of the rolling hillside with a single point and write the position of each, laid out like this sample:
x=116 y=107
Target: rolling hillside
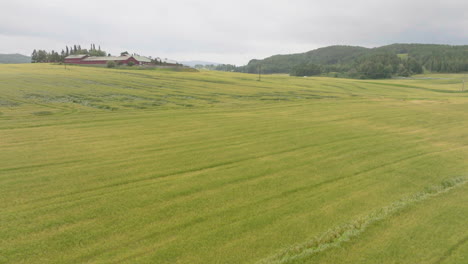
x=349 y=59
x=105 y=165
x=322 y=56
x=14 y=58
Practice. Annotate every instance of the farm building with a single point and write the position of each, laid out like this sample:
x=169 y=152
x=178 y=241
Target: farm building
x=75 y=58
x=85 y=59
x=170 y=62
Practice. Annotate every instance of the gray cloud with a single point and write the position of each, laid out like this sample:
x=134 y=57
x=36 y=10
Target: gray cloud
x=227 y=31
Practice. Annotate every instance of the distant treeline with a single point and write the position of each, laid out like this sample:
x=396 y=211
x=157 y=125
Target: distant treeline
x=358 y=62
x=55 y=56
x=219 y=67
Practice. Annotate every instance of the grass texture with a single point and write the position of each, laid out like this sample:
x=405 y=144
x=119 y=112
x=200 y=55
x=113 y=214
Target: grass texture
x=131 y=166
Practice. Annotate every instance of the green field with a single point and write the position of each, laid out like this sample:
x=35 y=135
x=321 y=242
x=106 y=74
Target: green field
x=125 y=166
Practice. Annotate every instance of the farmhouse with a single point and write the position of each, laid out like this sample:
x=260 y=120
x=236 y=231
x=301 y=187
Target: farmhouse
x=85 y=59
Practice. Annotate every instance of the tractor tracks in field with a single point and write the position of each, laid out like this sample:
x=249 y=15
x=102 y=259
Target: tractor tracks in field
x=450 y=251
x=138 y=183
x=145 y=181
x=359 y=173
x=152 y=178
x=338 y=235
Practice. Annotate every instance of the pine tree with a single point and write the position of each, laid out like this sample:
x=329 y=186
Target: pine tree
x=41 y=56
x=51 y=56
x=34 y=56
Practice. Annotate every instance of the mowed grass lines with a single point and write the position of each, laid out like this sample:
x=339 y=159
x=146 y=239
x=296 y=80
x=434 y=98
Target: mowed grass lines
x=161 y=167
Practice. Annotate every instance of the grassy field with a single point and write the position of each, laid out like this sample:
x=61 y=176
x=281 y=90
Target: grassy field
x=122 y=166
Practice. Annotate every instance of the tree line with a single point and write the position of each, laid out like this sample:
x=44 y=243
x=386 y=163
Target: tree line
x=358 y=62
x=219 y=67
x=371 y=66
x=38 y=56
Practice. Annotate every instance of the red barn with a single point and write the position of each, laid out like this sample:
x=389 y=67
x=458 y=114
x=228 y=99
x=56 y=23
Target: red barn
x=76 y=59
x=85 y=59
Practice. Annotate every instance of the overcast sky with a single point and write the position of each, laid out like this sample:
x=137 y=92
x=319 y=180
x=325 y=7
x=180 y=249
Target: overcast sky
x=227 y=31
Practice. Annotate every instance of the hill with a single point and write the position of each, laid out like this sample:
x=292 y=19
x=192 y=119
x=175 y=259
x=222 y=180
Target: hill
x=105 y=165
x=14 y=58
x=360 y=62
x=324 y=56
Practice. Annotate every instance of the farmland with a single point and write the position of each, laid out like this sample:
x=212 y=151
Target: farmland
x=143 y=166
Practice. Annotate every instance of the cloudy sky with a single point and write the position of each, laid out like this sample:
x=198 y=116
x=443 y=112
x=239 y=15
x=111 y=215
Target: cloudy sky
x=227 y=31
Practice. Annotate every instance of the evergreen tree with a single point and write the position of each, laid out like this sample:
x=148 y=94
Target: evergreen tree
x=34 y=56
x=41 y=56
x=305 y=70
x=414 y=66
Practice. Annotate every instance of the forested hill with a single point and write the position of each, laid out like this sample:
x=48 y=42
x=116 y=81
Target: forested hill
x=360 y=62
x=323 y=56
x=14 y=58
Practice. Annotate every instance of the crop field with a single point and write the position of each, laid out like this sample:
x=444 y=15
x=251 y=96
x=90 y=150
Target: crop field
x=143 y=166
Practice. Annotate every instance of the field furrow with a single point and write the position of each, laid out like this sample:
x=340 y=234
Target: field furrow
x=144 y=166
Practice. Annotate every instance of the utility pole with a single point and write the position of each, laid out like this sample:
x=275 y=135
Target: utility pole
x=463 y=83
x=259 y=72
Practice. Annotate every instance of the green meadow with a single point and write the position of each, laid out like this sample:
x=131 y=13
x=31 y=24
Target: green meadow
x=105 y=165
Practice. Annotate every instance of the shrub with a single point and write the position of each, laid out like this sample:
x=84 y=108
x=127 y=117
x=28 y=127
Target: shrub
x=110 y=64
x=130 y=63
